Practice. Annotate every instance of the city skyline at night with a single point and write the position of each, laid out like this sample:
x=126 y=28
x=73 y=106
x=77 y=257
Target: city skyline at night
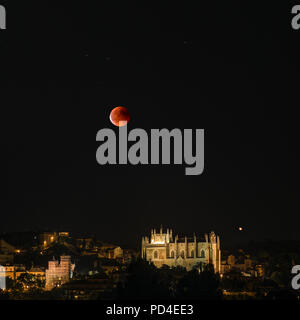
x=149 y=151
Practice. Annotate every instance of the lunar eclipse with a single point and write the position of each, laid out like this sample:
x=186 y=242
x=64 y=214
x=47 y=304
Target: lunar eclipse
x=119 y=116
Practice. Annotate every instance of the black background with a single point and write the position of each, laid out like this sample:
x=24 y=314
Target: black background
x=231 y=68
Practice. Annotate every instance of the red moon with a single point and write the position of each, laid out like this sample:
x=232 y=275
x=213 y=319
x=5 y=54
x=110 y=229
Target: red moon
x=119 y=114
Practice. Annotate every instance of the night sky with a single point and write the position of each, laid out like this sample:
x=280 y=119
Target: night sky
x=229 y=68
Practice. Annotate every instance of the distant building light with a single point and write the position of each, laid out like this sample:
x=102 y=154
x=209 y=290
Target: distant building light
x=2 y=277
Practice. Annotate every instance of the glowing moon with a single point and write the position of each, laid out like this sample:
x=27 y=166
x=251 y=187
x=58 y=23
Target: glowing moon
x=119 y=116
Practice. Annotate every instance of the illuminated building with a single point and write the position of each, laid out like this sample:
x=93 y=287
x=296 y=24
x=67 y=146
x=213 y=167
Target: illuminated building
x=15 y=271
x=2 y=278
x=231 y=260
x=260 y=270
x=59 y=273
x=9 y=271
x=46 y=238
x=6 y=252
x=166 y=249
x=231 y=264
x=37 y=272
x=115 y=253
x=84 y=243
x=64 y=234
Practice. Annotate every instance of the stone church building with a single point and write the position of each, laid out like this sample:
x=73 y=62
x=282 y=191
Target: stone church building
x=164 y=248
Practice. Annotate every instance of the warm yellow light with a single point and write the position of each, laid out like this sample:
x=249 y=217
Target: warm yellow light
x=240 y=229
x=158 y=242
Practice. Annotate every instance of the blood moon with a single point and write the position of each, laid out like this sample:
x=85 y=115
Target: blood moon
x=119 y=116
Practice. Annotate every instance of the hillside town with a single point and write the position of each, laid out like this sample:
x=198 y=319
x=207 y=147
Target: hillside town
x=61 y=265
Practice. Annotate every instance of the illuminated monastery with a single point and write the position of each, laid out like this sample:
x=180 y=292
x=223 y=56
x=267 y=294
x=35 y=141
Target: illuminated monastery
x=166 y=249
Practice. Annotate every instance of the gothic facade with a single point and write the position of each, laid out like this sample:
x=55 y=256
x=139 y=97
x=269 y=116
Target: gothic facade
x=166 y=249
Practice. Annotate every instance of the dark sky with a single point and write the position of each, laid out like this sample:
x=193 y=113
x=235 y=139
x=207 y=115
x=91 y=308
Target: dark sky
x=229 y=68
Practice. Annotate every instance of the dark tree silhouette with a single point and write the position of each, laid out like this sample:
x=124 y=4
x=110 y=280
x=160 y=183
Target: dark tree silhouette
x=203 y=285
x=144 y=281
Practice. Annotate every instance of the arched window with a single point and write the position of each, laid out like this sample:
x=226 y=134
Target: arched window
x=172 y=254
x=202 y=254
x=192 y=254
x=155 y=255
x=182 y=254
